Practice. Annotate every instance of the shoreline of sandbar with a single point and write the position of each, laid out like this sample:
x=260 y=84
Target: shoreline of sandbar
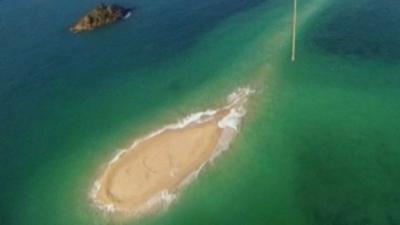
x=149 y=174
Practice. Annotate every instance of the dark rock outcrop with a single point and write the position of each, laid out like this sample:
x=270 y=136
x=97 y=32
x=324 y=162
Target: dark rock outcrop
x=100 y=16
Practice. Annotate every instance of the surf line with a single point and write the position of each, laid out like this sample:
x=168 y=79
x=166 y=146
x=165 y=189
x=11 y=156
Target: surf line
x=294 y=30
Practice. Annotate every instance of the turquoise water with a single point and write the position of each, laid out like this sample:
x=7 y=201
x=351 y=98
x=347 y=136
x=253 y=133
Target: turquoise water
x=320 y=140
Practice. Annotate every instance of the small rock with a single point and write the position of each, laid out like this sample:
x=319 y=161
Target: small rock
x=100 y=16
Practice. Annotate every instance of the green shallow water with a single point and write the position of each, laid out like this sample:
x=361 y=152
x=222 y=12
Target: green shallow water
x=318 y=146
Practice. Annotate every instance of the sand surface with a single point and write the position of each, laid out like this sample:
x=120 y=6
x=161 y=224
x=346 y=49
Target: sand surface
x=148 y=174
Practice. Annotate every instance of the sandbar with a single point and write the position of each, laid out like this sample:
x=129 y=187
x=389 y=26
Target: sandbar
x=149 y=174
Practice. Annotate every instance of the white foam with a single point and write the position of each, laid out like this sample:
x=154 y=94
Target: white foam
x=127 y=15
x=230 y=125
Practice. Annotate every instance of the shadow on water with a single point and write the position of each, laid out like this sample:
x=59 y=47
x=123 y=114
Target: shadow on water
x=343 y=110
x=364 y=29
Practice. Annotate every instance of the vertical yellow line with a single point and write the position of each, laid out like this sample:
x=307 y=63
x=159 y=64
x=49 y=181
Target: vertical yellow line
x=294 y=30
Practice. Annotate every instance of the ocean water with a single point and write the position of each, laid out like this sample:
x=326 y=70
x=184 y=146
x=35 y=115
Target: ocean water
x=319 y=144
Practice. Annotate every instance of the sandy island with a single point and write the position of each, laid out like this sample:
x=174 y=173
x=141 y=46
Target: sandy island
x=148 y=175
